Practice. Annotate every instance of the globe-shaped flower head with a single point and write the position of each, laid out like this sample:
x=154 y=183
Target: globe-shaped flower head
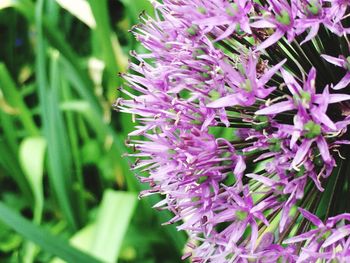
x=243 y=108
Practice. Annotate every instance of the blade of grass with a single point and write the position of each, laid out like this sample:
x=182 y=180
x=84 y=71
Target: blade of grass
x=13 y=96
x=58 y=151
x=56 y=39
x=104 y=36
x=5 y=106
x=178 y=238
x=103 y=31
x=11 y=165
x=80 y=9
x=86 y=93
x=52 y=8
x=74 y=142
x=102 y=128
x=94 y=116
x=52 y=244
x=79 y=80
x=135 y=10
x=9 y=130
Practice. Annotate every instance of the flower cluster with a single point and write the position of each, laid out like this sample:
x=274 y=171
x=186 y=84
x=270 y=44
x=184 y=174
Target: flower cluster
x=243 y=107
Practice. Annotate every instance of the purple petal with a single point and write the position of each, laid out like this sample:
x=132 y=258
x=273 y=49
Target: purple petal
x=254 y=235
x=342 y=142
x=261 y=217
x=263 y=93
x=323 y=118
x=301 y=237
x=276 y=108
x=231 y=73
x=334 y=98
x=250 y=68
x=230 y=29
x=302 y=151
x=337 y=235
x=210 y=21
x=267 y=76
x=223 y=117
x=262 y=24
x=335 y=61
x=298 y=127
x=323 y=105
x=312 y=33
x=265 y=180
x=286 y=210
x=227 y=101
x=317 y=182
x=265 y=241
x=240 y=166
x=245 y=26
x=327 y=121
x=271 y=40
x=209 y=119
x=312 y=218
x=264 y=156
x=342 y=124
x=329 y=98
x=311 y=80
x=239 y=200
x=292 y=85
x=238 y=231
x=343 y=82
x=335 y=219
x=294 y=139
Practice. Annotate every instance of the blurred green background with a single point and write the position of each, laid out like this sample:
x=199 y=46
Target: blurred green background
x=67 y=194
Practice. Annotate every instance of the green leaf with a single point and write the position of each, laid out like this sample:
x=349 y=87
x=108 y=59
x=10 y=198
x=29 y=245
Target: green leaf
x=80 y=106
x=80 y=9
x=15 y=99
x=31 y=157
x=112 y=222
x=59 y=154
x=103 y=238
x=261 y=165
x=52 y=244
x=54 y=36
x=81 y=240
x=10 y=164
x=6 y=3
x=96 y=121
x=135 y=10
x=106 y=40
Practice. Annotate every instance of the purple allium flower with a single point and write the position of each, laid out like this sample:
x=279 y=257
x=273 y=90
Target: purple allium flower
x=243 y=126
x=278 y=15
x=328 y=241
